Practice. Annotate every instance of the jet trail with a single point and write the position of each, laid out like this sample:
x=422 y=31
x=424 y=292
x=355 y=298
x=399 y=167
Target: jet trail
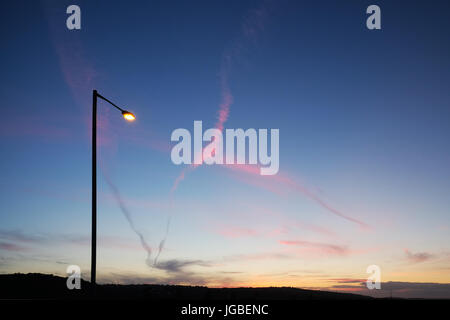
x=129 y=218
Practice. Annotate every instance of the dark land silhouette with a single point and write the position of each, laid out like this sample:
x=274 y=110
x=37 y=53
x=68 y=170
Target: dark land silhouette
x=44 y=286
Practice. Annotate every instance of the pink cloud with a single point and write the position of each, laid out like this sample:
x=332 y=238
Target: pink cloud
x=257 y=256
x=317 y=247
x=11 y=247
x=317 y=229
x=252 y=24
x=241 y=232
x=237 y=232
x=285 y=222
x=310 y=248
x=276 y=183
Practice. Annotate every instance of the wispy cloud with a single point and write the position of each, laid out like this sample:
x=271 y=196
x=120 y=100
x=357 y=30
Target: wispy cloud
x=20 y=236
x=11 y=247
x=176 y=266
x=256 y=256
x=283 y=182
x=20 y=240
x=347 y=280
x=251 y=26
x=233 y=232
x=129 y=218
x=418 y=256
x=317 y=246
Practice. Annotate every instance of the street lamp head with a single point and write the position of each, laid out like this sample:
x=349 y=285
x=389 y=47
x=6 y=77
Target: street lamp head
x=128 y=115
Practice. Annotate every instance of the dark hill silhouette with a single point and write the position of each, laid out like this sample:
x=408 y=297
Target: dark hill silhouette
x=44 y=286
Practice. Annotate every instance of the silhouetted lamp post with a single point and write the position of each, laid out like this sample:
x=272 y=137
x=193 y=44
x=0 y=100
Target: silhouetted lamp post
x=128 y=116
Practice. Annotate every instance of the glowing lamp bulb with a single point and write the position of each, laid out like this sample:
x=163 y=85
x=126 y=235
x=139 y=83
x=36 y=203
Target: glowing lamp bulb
x=128 y=116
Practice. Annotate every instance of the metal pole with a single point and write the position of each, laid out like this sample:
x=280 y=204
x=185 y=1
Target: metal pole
x=94 y=188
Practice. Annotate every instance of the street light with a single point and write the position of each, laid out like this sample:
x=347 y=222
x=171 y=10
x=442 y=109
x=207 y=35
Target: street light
x=128 y=116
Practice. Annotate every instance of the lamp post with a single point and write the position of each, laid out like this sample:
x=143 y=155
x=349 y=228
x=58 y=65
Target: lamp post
x=128 y=116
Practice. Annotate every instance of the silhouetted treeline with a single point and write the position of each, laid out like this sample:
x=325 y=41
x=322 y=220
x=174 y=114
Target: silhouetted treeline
x=42 y=286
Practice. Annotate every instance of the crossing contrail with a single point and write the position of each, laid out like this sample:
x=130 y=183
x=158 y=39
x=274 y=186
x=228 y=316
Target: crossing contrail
x=251 y=26
x=162 y=242
x=129 y=218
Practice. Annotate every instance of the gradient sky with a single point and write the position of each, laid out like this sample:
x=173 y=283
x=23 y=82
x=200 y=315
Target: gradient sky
x=364 y=119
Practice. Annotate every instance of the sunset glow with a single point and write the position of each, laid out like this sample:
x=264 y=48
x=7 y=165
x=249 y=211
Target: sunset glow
x=355 y=123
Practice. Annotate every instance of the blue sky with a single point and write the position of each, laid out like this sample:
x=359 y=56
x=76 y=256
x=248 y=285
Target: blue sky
x=363 y=118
